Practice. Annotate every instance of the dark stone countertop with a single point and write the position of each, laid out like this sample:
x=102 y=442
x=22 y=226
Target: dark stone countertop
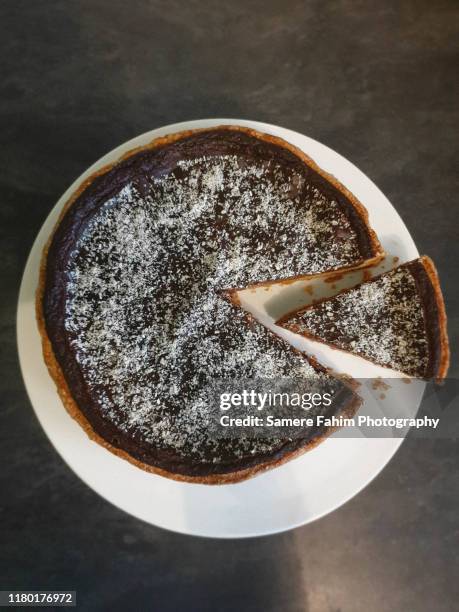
x=377 y=81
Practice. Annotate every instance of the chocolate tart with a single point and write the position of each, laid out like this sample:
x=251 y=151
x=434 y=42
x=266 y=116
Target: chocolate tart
x=129 y=304
x=396 y=320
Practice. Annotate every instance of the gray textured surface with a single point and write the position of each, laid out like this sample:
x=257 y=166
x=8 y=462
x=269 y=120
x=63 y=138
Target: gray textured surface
x=376 y=81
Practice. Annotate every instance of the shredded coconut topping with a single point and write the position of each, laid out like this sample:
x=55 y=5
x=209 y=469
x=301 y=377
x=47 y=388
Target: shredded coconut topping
x=381 y=320
x=143 y=313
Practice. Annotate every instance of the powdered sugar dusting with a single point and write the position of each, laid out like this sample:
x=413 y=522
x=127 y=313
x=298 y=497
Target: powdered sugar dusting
x=144 y=317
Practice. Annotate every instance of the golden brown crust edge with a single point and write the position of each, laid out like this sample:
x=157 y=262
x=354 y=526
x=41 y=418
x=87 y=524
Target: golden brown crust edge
x=55 y=369
x=432 y=273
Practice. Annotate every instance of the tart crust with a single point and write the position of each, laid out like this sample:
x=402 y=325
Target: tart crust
x=58 y=376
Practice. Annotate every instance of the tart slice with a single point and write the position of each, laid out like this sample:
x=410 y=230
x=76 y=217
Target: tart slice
x=396 y=320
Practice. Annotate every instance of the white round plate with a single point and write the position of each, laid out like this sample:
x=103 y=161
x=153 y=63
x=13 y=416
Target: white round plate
x=294 y=494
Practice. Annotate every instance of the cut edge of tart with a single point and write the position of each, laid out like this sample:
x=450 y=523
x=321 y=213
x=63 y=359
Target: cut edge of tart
x=428 y=290
x=374 y=251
